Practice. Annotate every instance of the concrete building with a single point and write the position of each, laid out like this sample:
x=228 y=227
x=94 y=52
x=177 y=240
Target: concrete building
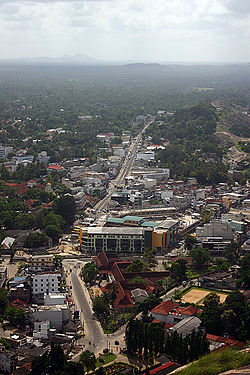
x=46 y=282
x=146 y=155
x=119 y=151
x=37 y=263
x=215 y=236
x=5 y=151
x=115 y=239
x=7 y=361
x=55 y=314
x=54 y=299
x=216 y=229
x=41 y=330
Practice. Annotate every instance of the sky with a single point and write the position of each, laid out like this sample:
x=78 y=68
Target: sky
x=136 y=30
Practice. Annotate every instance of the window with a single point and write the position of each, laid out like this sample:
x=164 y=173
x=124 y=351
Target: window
x=52 y=289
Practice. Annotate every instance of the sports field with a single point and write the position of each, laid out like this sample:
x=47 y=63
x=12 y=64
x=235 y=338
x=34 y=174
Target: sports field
x=195 y=295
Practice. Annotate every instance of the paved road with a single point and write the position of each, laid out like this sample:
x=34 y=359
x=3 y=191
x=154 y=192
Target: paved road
x=125 y=170
x=92 y=328
x=94 y=340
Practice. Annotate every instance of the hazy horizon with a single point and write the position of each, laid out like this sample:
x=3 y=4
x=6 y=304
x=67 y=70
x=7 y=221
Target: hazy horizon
x=177 y=31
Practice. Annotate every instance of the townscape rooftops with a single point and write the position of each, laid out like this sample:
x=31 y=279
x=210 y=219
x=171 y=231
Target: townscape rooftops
x=164 y=308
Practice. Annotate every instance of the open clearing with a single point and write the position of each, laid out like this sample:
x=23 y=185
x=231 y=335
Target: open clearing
x=195 y=295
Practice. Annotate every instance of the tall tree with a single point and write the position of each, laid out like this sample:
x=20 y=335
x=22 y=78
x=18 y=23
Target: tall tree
x=199 y=257
x=66 y=207
x=211 y=313
x=88 y=360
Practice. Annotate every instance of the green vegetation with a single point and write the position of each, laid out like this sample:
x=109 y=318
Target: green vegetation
x=192 y=151
x=88 y=360
x=216 y=363
x=89 y=273
x=231 y=317
x=187 y=349
x=107 y=358
x=138 y=265
x=147 y=339
x=200 y=257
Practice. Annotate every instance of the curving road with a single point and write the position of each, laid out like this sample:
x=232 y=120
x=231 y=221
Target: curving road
x=94 y=340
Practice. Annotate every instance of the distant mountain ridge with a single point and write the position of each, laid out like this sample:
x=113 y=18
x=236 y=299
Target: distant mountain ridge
x=66 y=59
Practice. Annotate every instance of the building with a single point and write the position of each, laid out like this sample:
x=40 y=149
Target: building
x=186 y=326
x=55 y=314
x=5 y=151
x=41 y=330
x=3 y=275
x=170 y=312
x=115 y=239
x=7 y=243
x=215 y=236
x=37 y=263
x=7 y=361
x=46 y=282
x=51 y=299
x=146 y=155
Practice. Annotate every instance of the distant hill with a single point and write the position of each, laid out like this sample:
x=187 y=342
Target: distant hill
x=66 y=59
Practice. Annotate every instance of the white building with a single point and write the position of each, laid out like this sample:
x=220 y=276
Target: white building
x=55 y=314
x=54 y=299
x=46 y=282
x=145 y=155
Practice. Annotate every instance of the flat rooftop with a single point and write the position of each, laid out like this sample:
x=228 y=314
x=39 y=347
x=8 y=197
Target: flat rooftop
x=116 y=230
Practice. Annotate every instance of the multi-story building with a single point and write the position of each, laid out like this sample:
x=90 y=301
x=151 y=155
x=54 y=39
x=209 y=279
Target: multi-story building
x=55 y=314
x=37 y=263
x=215 y=236
x=5 y=151
x=46 y=282
x=121 y=240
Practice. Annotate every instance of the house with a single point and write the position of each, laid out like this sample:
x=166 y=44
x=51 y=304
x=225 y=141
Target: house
x=170 y=312
x=139 y=295
x=19 y=288
x=7 y=243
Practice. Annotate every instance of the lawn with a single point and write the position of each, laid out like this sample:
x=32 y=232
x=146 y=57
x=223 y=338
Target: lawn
x=109 y=357
x=113 y=323
x=215 y=363
x=196 y=295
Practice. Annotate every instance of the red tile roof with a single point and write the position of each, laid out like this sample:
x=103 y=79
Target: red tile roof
x=163 y=367
x=191 y=310
x=164 y=308
x=55 y=167
x=228 y=342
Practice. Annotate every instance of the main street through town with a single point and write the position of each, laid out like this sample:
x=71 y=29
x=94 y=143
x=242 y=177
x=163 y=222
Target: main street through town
x=125 y=169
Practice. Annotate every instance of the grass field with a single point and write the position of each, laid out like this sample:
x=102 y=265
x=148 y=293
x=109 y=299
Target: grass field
x=216 y=363
x=196 y=295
